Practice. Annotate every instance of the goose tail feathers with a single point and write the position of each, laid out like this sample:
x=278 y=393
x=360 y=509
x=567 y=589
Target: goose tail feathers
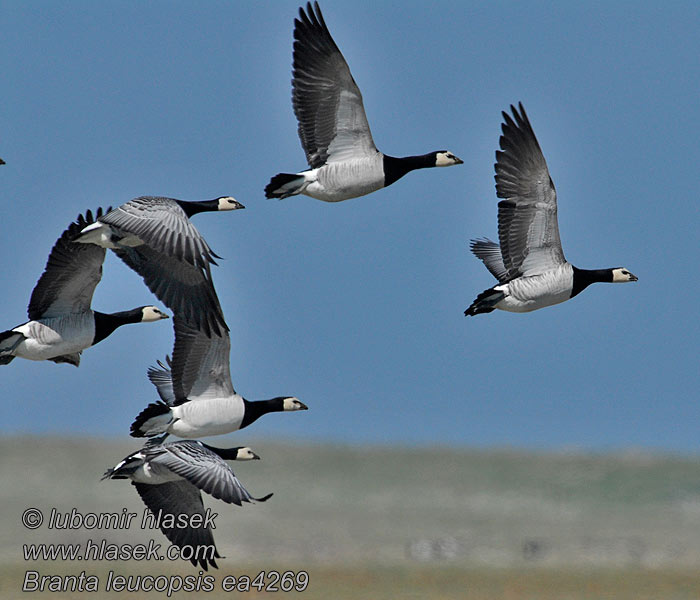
x=485 y=302
x=9 y=340
x=284 y=185
x=152 y=420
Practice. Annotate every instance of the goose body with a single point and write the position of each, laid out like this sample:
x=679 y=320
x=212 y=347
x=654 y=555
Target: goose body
x=62 y=323
x=215 y=416
x=170 y=478
x=154 y=236
x=197 y=396
x=333 y=128
x=47 y=339
x=529 y=261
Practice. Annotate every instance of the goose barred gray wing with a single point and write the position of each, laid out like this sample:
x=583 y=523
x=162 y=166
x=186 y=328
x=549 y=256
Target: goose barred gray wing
x=204 y=469
x=490 y=253
x=327 y=102
x=527 y=217
x=200 y=364
x=162 y=224
x=185 y=289
x=162 y=378
x=72 y=272
x=180 y=498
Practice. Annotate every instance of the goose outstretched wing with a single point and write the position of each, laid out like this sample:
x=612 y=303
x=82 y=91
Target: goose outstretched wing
x=327 y=102
x=180 y=498
x=527 y=216
x=204 y=469
x=162 y=224
x=162 y=377
x=200 y=363
x=71 y=275
x=185 y=289
x=490 y=253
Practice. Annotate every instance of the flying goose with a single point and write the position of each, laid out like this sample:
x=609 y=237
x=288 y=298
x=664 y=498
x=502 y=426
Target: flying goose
x=197 y=396
x=333 y=127
x=170 y=477
x=155 y=237
x=61 y=323
x=529 y=263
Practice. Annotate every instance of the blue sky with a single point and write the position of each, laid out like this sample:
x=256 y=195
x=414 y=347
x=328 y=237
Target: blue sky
x=356 y=308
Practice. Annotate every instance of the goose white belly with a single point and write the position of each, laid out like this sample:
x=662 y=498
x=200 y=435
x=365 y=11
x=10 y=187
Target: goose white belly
x=337 y=181
x=213 y=416
x=526 y=294
x=56 y=336
x=103 y=235
x=153 y=474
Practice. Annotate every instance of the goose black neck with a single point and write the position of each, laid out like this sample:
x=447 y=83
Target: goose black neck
x=585 y=277
x=106 y=323
x=396 y=168
x=257 y=408
x=192 y=208
x=225 y=453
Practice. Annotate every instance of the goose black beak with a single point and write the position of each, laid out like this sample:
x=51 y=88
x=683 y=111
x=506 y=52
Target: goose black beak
x=458 y=161
x=302 y=406
x=633 y=277
x=255 y=456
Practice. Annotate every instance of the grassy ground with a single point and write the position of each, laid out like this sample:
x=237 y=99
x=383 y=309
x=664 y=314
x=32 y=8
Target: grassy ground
x=394 y=523
x=407 y=583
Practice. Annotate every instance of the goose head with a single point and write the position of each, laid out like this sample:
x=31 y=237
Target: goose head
x=245 y=453
x=445 y=158
x=152 y=313
x=622 y=275
x=292 y=403
x=228 y=203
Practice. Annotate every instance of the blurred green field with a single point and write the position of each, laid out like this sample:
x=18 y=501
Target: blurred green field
x=391 y=522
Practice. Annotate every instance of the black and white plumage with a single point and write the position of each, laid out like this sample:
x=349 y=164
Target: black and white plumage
x=170 y=478
x=529 y=262
x=155 y=237
x=333 y=127
x=197 y=395
x=61 y=322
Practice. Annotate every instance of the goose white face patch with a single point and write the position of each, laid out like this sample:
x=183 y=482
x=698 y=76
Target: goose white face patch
x=293 y=404
x=246 y=454
x=229 y=203
x=623 y=275
x=151 y=313
x=447 y=159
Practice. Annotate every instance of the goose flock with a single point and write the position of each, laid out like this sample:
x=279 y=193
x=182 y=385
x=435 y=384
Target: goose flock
x=155 y=237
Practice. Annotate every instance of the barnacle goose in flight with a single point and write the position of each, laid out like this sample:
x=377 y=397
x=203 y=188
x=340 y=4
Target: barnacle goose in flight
x=197 y=396
x=61 y=323
x=155 y=237
x=170 y=478
x=529 y=263
x=333 y=127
